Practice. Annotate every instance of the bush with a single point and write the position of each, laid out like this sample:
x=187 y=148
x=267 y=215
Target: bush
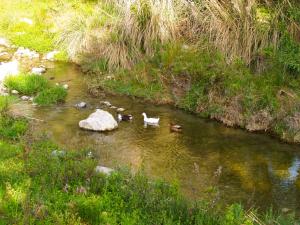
x=27 y=84
x=51 y=96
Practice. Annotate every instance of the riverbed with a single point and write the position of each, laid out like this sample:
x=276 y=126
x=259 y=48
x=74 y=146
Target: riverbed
x=207 y=160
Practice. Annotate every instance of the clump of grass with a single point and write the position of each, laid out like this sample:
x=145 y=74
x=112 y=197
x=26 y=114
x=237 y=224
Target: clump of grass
x=27 y=84
x=51 y=96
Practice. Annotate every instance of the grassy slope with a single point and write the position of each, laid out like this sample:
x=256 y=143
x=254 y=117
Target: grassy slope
x=37 y=187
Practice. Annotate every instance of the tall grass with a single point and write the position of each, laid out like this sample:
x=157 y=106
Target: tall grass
x=119 y=32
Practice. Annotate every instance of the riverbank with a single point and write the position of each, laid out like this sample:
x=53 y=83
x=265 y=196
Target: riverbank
x=44 y=183
x=201 y=82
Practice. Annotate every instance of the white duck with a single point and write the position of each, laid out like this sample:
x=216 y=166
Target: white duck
x=153 y=121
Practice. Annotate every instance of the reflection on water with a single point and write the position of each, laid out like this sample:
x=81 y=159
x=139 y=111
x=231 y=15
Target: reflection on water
x=243 y=167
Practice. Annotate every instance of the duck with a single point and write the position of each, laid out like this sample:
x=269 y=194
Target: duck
x=175 y=127
x=147 y=120
x=124 y=117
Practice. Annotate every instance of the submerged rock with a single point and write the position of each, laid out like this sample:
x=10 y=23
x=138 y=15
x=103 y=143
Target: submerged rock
x=99 y=121
x=104 y=170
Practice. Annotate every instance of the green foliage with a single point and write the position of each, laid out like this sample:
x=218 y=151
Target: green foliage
x=51 y=96
x=12 y=128
x=27 y=84
x=289 y=54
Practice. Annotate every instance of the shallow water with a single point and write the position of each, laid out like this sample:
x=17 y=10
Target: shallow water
x=207 y=159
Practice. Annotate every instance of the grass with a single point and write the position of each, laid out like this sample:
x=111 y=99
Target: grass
x=38 y=86
x=27 y=84
x=51 y=96
x=39 y=187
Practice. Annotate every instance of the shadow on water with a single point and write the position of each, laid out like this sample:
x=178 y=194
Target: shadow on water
x=207 y=159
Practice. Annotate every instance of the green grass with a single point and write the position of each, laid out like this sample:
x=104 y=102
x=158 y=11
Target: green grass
x=36 y=85
x=51 y=96
x=27 y=84
x=38 y=187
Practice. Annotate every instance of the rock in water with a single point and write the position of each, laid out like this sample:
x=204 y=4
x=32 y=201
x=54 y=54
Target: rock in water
x=38 y=70
x=81 y=105
x=99 y=121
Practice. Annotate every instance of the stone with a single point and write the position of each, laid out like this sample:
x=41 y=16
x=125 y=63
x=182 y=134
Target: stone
x=14 y=92
x=38 y=70
x=4 y=56
x=51 y=55
x=9 y=68
x=25 y=98
x=81 y=105
x=58 y=153
x=27 y=21
x=107 y=103
x=113 y=107
x=4 y=42
x=100 y=120
x=66 y=86
x=31 y=99
x=120 y=109
x=104 y=170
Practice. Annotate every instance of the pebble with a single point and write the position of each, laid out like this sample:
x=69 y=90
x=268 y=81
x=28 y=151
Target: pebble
x=38 y=70
x=120 y=109
x=66 y=86
x=81 y=105
x=25 y=98
x=105 y=170
x=107 y=103
x=14 y=92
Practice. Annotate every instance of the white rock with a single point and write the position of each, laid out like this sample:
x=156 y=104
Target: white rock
x=26 y=20
x=9 y=68
x=80 y=105
x=25 y=98
x=104 y=170
x=66 y=86
x=31 y=99
x=51 y=55
x=4 y=42
x=120 y=109
x=38 y=70
x=58 y=153
x=14 y=92
x=99 y=121
x=107 y=103
x=113 y=107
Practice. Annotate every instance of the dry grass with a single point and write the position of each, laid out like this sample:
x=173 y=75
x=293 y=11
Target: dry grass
x=237 y=28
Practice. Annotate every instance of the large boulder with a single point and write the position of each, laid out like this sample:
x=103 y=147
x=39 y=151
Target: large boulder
x=99 y=121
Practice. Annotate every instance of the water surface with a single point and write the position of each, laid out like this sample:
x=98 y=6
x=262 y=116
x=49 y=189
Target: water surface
x=207 y=159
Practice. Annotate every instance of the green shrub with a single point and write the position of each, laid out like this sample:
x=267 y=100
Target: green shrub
x=50 y=96
x=27 y=84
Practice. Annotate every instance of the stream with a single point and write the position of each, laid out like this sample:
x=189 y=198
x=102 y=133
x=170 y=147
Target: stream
x=207 y=160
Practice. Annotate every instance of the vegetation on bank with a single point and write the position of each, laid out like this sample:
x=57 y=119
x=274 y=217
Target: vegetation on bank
x=41 y=183
x=38 y=86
